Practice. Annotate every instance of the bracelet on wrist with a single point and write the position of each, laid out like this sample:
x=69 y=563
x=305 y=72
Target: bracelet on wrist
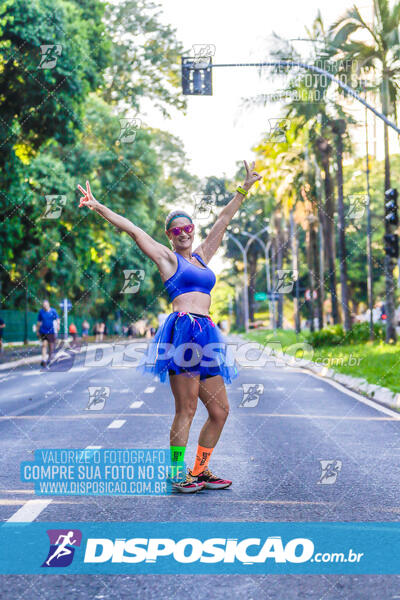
x=241 y=190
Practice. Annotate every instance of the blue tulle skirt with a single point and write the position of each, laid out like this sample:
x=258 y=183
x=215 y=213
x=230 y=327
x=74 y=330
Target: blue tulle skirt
x=189 y=343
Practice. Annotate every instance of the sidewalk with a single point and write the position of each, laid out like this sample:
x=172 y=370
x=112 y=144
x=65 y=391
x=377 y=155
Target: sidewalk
x=32 y=355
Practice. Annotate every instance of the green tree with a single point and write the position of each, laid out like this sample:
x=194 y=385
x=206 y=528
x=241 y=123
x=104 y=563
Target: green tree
x=145 y=57
x=380 y=52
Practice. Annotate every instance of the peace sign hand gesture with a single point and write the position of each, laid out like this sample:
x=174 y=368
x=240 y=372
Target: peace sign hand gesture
x=87 y=199
x=251 y=175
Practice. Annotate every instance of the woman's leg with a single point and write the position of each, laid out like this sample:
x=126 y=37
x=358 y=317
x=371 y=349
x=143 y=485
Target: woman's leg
x=185 y=389
x=213 y=394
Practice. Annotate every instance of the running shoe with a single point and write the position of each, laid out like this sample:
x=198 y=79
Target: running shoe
x=211 y=481
x=187 y=485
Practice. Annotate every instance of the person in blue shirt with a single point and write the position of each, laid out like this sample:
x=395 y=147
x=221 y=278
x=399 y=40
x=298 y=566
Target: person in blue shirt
x=47 y=327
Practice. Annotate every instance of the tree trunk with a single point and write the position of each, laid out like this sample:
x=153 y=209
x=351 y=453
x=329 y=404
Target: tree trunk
x=338 y=128
x=327 y=221
x=295 y=267
x=279 y=264
x=319 y=253
x=239 y=312
x=312 y=261
x=252 y=265
x=391 y=335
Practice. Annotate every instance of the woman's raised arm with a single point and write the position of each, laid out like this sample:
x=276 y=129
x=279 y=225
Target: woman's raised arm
x=208 y=248
x=153 y=249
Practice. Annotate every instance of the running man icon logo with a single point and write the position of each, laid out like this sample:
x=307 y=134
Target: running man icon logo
x=50 y=54
x=357 y=205
x=251 y=394
x=203 y=205
x=285 y=279
x=129 y=128
x=330 y=469
x=54 y=206
x=277 y=130
x=62 y=547
x=133 y=279
x=97 y=397
x=202 y=54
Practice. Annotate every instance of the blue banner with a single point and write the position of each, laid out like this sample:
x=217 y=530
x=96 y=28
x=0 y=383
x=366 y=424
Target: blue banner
x=101 y=472
x=200 y=547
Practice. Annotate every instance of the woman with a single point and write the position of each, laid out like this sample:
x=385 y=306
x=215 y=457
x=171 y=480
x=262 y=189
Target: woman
x=188 y=330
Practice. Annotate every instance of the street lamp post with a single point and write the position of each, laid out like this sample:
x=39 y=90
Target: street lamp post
x=265 y=247
x=245 y=284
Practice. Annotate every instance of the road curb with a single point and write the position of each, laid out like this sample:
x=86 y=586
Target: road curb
x=360 y=385
x=28 y=360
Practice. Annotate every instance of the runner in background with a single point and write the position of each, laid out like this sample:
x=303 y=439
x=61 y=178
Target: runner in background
x=47 y=327
x=85 y=329
x=2 y=326
x=73 y=333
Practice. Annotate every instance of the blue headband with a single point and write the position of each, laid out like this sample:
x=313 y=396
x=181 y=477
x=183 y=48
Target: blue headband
x=175 y=217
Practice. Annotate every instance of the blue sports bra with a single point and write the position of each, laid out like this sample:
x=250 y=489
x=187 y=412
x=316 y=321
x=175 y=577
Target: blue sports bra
x=189 y=278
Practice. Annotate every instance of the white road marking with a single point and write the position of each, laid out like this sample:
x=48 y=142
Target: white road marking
x=92 y=447
x=29 y=511
x=150 y=389
x=116 y=424
x=362 y=399
x=33 y=372
x=136 y=404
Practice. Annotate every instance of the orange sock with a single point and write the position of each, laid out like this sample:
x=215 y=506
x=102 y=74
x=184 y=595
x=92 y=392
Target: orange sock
x=202 y=459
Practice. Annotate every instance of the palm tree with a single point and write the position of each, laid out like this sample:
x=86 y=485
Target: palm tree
x=289 y=176
x=314 y=110
x=381 y=52
x=339 y=128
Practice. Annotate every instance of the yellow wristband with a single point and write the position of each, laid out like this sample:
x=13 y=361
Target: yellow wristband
x=241 y=190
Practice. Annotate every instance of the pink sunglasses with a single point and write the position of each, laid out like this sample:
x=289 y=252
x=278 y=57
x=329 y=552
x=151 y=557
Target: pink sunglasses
x=178 y=230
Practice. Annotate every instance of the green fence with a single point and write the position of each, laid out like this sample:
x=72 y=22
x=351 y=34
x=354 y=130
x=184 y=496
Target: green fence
x=14 y=330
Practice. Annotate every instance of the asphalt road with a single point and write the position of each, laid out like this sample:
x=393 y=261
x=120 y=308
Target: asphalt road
x=270 y=448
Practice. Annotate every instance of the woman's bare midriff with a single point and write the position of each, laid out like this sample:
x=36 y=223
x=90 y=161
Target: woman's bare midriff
x=196 y=302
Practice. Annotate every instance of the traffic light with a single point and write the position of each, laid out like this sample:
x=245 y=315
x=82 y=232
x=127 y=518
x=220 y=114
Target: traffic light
x=392 y=245
x=391 y=215
x=196 y=76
